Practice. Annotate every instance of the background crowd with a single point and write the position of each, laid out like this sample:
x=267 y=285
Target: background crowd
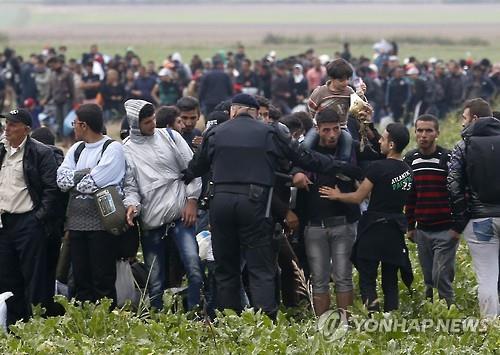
x=50 y=84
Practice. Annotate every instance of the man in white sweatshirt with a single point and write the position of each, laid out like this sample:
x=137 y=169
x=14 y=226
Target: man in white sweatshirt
x=165 y=206
x=95 y=163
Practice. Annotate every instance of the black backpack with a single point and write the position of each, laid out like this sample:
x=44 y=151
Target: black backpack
x=81 y=147
x=482 y=156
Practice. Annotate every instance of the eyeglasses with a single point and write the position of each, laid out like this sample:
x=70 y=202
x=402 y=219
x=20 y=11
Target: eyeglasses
x=75 y=123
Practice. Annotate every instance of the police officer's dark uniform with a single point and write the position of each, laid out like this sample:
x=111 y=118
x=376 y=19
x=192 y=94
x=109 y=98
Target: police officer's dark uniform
x=243 y=154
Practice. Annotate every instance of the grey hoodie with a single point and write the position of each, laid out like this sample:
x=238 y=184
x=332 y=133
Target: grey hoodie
x=154 y=165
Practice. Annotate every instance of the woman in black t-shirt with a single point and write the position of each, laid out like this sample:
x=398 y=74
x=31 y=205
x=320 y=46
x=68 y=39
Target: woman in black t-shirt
x=382 y=227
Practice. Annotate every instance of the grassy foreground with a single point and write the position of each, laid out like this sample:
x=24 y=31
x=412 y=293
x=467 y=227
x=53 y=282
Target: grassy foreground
x=91 y=329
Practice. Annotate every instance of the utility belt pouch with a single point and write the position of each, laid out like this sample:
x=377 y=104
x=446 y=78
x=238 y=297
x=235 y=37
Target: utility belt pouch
x=255 y=192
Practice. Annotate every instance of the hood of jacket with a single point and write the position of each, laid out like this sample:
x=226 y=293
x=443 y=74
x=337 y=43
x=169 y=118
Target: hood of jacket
x=483 y=127
x=132 y=108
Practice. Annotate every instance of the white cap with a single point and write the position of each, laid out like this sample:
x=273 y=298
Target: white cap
x=324 y=58
x=165 y=72
x=177 y=56
x=412 y=71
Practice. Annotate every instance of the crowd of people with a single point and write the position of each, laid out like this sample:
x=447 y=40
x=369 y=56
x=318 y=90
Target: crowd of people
x=244 y=175
x=50 y=85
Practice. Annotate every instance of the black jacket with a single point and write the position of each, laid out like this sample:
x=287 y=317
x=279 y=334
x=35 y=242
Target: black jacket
x=215 y=87
x=464 y=201
x=279 y=146
x=40 y=172
x=455 y=89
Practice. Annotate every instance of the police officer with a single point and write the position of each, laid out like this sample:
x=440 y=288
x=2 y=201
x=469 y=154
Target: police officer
x=243 y=154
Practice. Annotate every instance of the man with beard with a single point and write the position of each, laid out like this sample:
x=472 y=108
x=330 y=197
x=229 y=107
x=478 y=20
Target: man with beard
x=475 y=198
x=189 y=108
x=165 y=206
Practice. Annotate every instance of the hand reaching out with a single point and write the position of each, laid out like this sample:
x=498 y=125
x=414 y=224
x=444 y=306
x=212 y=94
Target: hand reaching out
x=329 y=192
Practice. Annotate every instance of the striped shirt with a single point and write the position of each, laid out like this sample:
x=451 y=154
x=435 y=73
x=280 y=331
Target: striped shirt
x=322 y=98
x=428 y=205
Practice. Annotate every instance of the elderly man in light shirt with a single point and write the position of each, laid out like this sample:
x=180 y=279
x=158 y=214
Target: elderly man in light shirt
x=28 y=193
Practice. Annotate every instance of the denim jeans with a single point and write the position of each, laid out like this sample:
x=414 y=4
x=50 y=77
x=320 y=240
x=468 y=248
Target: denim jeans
x=482 y=237
x=154 y=248
x=329 y=252
x=185 y=240
x=153 y=244
x=202 y=221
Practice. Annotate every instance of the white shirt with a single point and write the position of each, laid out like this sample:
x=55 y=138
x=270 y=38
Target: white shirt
x=106 y=170
x=14 y=194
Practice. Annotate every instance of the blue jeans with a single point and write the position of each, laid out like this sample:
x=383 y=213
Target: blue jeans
x=155 y=257
x=202 y=221
x=483 y=238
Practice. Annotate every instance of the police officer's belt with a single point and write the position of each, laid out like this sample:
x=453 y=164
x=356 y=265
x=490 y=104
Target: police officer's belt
x=329 y=222
x=243 y=189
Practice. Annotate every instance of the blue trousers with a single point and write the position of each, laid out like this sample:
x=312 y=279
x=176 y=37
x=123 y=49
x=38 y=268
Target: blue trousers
x=155 y=257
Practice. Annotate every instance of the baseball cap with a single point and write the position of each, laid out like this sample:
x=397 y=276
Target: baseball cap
x=245 y=100
x=165 y=72
x=18 y=115
x=412 y=71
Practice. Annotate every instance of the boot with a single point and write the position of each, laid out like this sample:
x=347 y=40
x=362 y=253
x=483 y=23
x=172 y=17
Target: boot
x=321 y=303
x=344 y=300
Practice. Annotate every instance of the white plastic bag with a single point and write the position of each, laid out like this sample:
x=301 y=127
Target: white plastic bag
x=125 y=286
x=3 y=309
x=204 y=240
